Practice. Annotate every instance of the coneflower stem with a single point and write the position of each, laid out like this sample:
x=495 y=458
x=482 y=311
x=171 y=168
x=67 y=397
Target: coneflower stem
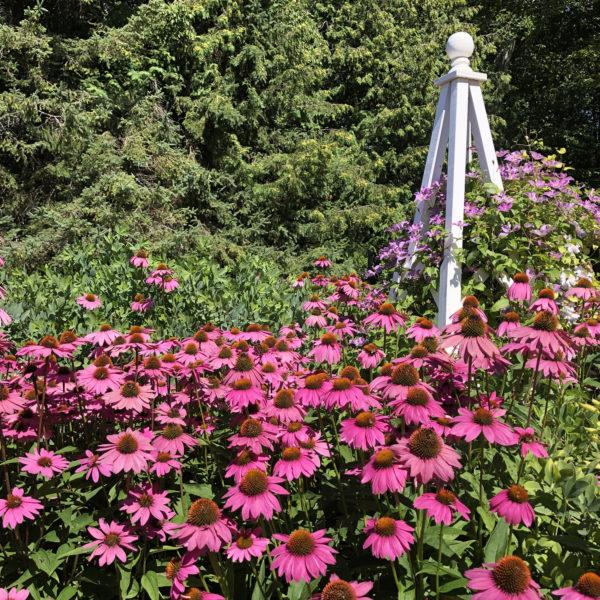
x=214 y=561
x=303 y=499
x=4 y=465
x=548 y=389
x=470 y=365
x=181 y=492
x=396 y=580
x=439 y=562
x=533 y=384
x=255 y=572
x=516 y=387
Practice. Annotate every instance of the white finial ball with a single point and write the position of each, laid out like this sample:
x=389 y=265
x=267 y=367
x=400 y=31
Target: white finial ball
x=460 y=45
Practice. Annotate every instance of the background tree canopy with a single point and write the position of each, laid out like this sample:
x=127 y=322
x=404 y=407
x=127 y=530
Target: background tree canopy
x=258 y=126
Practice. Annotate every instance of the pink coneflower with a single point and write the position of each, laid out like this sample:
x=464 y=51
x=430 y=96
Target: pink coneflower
x=442 y=426
x=510 y=322
x=418 y=407
x=178 y=570
x=327 y=349
x=311 y=390
x=526 y=437
x=140 y=259
x=16 y=507
x=316 y=319
x=244 y=368
x=205 y=528
x=322 y=262
x=174 y=440
x=314 y=302
x=104 y=336
x=520 y=290
x=388 y=538
x=387 y=317
x=131 y=396
x=284 y=409
x=470 y=424
x=401 y=380
x=545 y=301
x=365 y=431
x=127 y=451
x=169 y=284
x=302 y=555
x=582 y=337
x=146 y=501
x=225 y=357
x=141 y=303
x=272 y=375
x=165 y=413
x=586 y=588
x=283 y=353
x=422 y=329
x=384 y=471
x=13 y=594
x=255 y=495
x=100 y=377
x=341 y=328
x=89 y=301
x=543 y=334
x=48 y=345
x=45 y=462
x=243 y=394
x=109 y=542
x=294 y=463
x=370 y=356
x=245 y=461
x=247 y=545
x=317 y=445
x=92 y=468
x=584 y=289
x=10 y=401
x=594 y=326
x=470 y=306
x=338 y=589
x=442 y=506
x=233 y=334
x=342 y=392
x=513 y=505
x=189 y=354
x=5 y=318
x=472 y=342
x=163 y=463
x=295 y=434
x=555 y=367
x=255 y=334
x=508 y=579
x=255 y=435
x=426 y=456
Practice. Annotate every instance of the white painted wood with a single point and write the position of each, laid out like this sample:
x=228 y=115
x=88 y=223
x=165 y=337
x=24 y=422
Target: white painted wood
x=460 y=117
x=483 y=137
x=450 y=295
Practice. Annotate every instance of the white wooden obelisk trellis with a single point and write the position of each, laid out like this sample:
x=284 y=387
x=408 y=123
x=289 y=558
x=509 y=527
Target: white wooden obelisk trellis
x=460 y=114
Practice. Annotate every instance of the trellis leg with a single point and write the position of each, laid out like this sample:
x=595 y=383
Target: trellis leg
x=450 y=271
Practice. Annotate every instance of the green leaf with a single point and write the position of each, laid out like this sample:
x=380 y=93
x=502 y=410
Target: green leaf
x=67 y=593
x=496 y=546
x=150 y=584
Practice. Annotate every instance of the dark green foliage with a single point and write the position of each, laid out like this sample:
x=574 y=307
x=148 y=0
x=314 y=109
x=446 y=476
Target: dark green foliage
x=292 y=126
x=546 y=66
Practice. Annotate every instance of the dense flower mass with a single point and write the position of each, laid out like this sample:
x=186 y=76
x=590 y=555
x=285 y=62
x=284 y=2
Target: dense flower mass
x=256 y=461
